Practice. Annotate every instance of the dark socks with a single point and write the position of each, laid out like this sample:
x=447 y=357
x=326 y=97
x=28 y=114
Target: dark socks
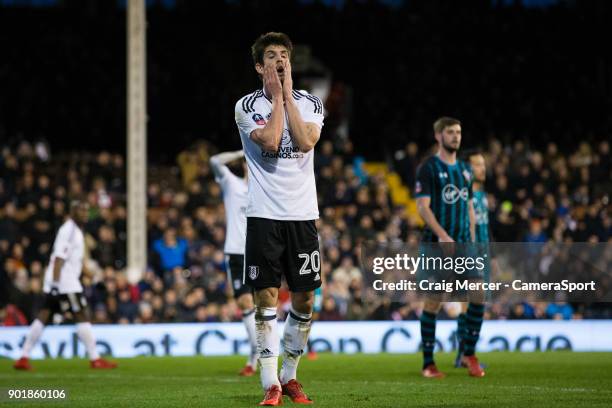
x=461 y=331
x=473 y=323
x=428 y=337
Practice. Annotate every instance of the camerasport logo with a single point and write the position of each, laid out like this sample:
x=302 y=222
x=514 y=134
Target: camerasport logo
x=257 y=118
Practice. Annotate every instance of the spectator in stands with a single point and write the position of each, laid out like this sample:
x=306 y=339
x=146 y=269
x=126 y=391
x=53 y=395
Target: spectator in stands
x=559 y=310
x=171 y=250
x=329 y=311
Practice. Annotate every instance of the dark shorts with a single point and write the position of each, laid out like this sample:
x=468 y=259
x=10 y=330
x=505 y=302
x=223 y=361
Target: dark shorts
x=282 y=248
x=235 y=273
x=67 y=302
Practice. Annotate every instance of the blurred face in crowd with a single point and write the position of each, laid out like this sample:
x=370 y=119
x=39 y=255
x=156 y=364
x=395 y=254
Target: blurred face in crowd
x=329 y=304
x=28 y=181
x=124 y=296
x=43 y=182
x=535 y=227
x=170 y=237
x=276 y=56
x=450 y=138
x=201 y=314
x=477 y=162
x=80 y=213
x=327 y=148
x=412 y=149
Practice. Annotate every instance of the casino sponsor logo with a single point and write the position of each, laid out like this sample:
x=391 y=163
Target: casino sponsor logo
x=286 y=150
x=283 y=153
x=451 y=194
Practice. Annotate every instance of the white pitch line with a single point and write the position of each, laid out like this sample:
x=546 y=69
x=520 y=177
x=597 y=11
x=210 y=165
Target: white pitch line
x=437 y=384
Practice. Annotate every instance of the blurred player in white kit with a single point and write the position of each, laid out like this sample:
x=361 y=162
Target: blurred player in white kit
x=63 y=289
x=235 y=200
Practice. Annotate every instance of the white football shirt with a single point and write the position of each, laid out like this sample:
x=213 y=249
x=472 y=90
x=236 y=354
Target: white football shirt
x=282 y=183
x=70 y=246
x=235 y=200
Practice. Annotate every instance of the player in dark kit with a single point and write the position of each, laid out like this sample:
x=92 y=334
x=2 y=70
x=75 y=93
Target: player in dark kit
x=444 y=200
x=468 y=330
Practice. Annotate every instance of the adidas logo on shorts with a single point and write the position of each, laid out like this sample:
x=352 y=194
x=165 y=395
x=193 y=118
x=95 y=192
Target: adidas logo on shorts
x=317 y=277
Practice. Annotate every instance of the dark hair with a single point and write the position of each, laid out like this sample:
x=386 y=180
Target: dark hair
x=444 y=122
x=76 y=204
x=468 y=153
x=271 y=38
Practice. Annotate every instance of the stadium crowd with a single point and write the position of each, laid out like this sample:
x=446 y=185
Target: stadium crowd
x=537 y=87
x=534 y=196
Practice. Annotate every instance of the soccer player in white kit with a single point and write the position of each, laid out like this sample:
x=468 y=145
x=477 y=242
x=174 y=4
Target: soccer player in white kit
x=235 y=201
x=279 y=127
x=63 y=289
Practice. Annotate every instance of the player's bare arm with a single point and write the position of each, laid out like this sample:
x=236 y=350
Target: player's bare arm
x=269 y=136
x=87 y=272
x=305 y=134
x=58 y=263
x=220 y=160
x=472 y=215
x=430 y=219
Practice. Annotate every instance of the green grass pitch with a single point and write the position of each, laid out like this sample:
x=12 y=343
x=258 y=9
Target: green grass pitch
x=540 y=379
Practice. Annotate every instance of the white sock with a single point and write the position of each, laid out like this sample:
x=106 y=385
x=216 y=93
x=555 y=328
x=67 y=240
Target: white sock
x=86 y=336
x=268 y=345
x=295 y=339
x=248 y=318
x=36 y=329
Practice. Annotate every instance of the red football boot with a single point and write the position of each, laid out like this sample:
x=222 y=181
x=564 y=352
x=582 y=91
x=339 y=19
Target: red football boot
x=431 y=371
x=293 y=390
x=247 y=371
x=312 y=355
x=102 y=364
x=23 y=364
x=273 y=397
x=473 y=366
